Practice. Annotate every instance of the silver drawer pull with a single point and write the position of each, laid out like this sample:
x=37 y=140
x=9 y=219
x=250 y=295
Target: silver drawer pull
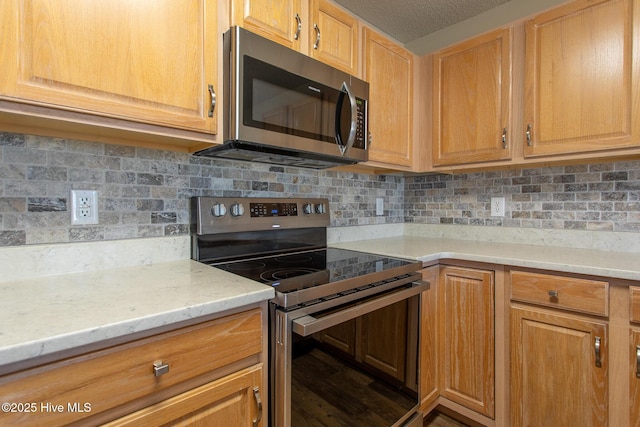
x=553 y=294
x=160 y=368
x=598 y=356
x=256 y=394
x=504 y=138
x=638 y=361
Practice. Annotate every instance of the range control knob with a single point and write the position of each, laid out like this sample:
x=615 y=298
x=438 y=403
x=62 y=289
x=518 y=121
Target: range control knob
x=218 y=210
x=321 y=208
x=237 y=210
x=307 y=208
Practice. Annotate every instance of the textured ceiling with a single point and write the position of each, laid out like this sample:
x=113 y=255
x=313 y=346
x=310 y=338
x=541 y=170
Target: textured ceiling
x=408 y=20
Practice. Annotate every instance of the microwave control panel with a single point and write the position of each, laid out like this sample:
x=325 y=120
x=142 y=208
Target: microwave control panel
x=361 y=125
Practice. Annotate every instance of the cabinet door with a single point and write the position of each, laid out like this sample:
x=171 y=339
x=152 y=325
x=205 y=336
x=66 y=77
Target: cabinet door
x=334 y=36
x=389 y=71
x=384 y=339
x=123 y=375
x=150 y=62
x=279 y=21
x=466 y=337
x=635 y=378
x=429 y=391
x=377 y=339
x=581 y=81
x=341 y=337
x=472 y=100
x=233 y=401
x=556 y=379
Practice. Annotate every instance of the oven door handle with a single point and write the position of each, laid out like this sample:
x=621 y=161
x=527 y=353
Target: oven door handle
x=307 y=325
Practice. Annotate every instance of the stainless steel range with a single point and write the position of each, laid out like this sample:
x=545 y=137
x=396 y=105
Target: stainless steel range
x=344 y=330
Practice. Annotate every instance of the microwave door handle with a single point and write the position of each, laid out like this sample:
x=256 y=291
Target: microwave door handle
x=354 y=119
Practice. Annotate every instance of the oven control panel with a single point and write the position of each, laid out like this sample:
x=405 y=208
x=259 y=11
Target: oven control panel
x=273 y=209
x=212 y=215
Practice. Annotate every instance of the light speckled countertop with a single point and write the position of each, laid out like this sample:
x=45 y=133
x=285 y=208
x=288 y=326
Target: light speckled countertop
x=48 y=314
x=620 y=265
x=59 y=297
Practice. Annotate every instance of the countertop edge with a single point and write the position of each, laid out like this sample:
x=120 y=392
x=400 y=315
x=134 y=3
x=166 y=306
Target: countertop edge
x=617 y=273
x=593 y=262
x=204 y=292
x=57 y=343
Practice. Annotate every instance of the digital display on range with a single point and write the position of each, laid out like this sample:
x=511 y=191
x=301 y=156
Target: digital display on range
x=273 y=209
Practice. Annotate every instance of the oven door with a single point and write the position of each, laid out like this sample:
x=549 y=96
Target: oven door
x=355 y=364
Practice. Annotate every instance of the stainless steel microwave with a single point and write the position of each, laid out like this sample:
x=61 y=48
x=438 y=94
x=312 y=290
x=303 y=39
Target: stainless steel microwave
x=283 y=107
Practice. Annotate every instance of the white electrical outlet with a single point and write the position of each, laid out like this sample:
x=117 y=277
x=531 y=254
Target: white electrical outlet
x=84 y=207
x=497 y=206
x=379 y=206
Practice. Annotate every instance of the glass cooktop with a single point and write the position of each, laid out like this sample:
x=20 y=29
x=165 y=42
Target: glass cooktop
x=294 y=271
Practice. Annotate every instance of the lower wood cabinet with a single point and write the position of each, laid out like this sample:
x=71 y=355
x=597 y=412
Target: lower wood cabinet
x=233 y=401
x=362 y=340
x=634 y=352
x=342 y=337
x=458 y=341
x=558 y=369
x=503 y=346
x=635 y=377
x=429 y=391
x=386 y=351
x=211 y=370
x=559 y=356
x=466 y=337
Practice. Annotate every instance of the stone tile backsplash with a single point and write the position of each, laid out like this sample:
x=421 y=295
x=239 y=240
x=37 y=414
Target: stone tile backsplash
x=597 y=197
x=146 y=192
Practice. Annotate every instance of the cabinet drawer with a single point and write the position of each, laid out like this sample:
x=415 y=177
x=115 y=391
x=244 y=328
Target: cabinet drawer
x=107 y=378
x=635 y=303
x=569 y=293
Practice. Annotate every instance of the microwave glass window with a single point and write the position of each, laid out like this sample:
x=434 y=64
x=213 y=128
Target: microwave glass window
x=277 y=100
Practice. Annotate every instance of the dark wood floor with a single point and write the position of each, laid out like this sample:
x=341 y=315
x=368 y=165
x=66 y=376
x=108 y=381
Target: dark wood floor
x=436 y=419
x=319 y=400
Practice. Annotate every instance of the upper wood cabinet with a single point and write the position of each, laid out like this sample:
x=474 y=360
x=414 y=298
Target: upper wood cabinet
x=561 y=86
x=472 y=100
x=334 y=36
x=279 y=21
x=317 y=28
x=581 y=76
x=389 y=71
x=142 y=61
